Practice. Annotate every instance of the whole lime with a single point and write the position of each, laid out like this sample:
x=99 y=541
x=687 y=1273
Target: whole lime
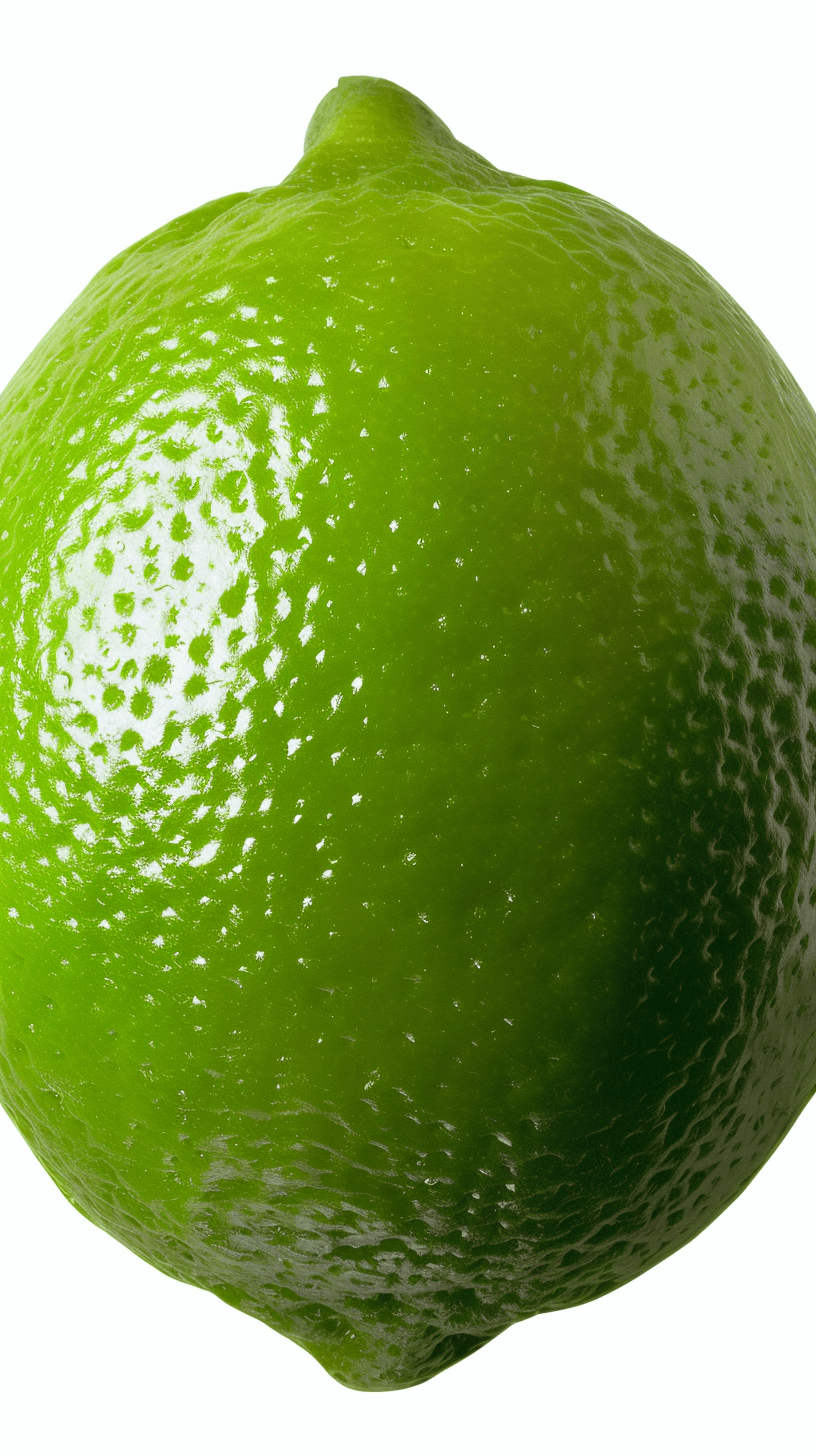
x=407 y=731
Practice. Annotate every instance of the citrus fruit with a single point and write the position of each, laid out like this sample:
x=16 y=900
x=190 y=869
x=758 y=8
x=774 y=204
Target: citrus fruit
x=406 y=722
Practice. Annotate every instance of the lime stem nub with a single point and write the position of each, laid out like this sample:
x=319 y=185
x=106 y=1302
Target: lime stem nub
x=364 y=111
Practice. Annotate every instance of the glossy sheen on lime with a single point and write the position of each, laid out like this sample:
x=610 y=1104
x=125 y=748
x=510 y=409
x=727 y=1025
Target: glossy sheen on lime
x=406 y=718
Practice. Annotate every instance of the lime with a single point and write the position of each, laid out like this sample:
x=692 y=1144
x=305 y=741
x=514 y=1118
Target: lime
x=406 y=724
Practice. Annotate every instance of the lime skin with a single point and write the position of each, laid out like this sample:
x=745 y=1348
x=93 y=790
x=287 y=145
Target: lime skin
x=407 y=633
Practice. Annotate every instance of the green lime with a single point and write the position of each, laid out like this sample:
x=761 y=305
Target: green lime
x=407 y=729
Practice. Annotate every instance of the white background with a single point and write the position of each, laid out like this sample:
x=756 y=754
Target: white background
x=698 y=120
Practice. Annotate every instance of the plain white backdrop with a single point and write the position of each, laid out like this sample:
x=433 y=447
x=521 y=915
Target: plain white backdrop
x=698 y=120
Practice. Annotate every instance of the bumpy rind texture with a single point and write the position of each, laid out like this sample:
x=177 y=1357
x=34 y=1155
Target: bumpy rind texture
x=406 y=719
